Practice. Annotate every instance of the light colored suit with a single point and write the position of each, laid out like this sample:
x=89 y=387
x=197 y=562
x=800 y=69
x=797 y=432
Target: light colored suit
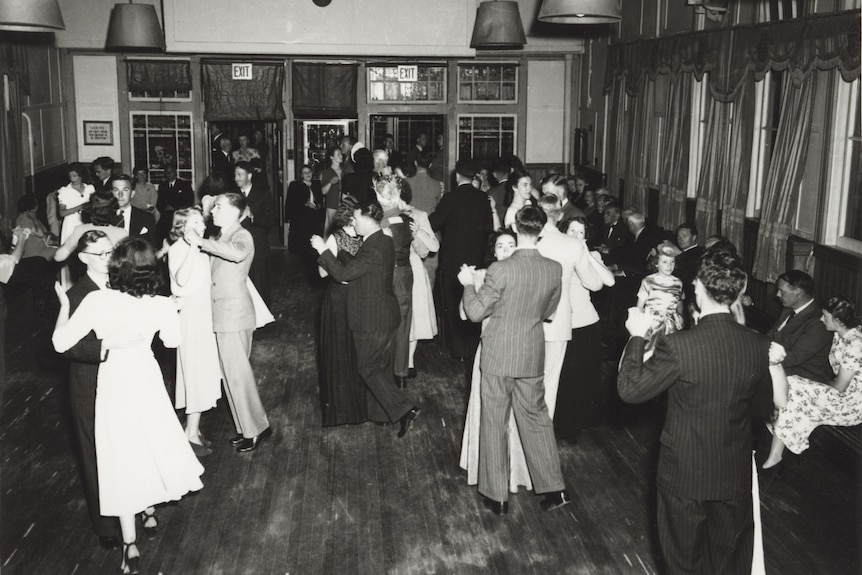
x=519 y=293
x=233 y=323
x=572 y=256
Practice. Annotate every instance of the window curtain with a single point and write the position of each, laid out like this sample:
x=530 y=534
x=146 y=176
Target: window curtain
x=714 y=168
x=640 y=122
x=673 y=176
x=734 y=192
x=781 y=188
x=617 y=135
x=159 y=76
x=257 y=99
x=324 y=90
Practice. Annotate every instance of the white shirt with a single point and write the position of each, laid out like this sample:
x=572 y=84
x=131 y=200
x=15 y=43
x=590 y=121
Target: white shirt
x=796 y=312
x=245 y=191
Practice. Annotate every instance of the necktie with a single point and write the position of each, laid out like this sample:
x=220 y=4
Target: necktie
x=122 y=222
x=789 y=317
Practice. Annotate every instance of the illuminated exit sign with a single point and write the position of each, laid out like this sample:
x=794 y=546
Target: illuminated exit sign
x=241 y=72
x=408 y=73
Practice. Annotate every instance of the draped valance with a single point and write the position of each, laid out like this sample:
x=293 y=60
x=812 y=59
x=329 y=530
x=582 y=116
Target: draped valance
x=799 y=46
x=159 y=75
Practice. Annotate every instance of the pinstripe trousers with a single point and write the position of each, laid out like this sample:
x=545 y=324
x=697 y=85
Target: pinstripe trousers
x=525 y=396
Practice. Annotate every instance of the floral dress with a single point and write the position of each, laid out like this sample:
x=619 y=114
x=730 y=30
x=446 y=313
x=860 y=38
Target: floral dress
x=662 y=295
x=811 y=403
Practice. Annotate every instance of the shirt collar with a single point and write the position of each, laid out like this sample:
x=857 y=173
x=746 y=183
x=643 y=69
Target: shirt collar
x=798 y=310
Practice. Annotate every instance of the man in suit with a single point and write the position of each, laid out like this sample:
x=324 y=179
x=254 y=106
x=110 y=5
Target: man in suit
x=416 y=151
x=103 y=168
x=616 y=237
x=221 y=159
x=463 y=216
x=396 y=158
x=261 y=217
x=686 y=265
x=500 y=171
x=518 y=295
x=573 y=256
x=799 y=329
x=138 y=223
x=231 y=255
x=717 y=379
x=426 y=195
x=94 y=250
x=557 y=185
x=174 y=194
x=372 y=310
x=633 y=263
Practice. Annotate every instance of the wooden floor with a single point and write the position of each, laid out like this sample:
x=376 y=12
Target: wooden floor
x=357 y=500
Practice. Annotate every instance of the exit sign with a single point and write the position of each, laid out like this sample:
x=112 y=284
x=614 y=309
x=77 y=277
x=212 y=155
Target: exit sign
x=408 y=73
x=241 y=72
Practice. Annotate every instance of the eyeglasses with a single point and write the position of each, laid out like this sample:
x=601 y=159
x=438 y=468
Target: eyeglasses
x=102 y=255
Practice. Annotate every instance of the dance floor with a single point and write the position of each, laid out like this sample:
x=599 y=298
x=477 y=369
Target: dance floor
x=357 y=500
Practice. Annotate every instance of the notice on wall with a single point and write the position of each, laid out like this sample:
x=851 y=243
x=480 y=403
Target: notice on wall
x=241 y=72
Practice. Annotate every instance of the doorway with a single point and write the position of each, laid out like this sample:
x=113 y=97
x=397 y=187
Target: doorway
x=406 y=128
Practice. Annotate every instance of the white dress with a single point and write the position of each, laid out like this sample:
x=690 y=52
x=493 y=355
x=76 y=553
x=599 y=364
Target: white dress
x=71 y=198
x=143 y=455
x=424 y=324
x=198 y=368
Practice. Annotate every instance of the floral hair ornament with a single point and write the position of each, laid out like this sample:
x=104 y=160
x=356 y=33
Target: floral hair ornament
x=387 y=186
x=667 y=249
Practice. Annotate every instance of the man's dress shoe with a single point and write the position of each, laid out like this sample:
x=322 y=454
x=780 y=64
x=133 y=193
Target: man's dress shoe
x=411 y=372
x=237 y=439
x=555 y=500
x=498 y=507
x=406 y=421
x=251 y=444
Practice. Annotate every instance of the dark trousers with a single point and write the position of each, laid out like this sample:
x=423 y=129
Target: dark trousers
x=580 y=395
x=461 y=337
x=706 y=537
x=403 y=288
x=374 y=363
x=259 y=275
x=84 y=418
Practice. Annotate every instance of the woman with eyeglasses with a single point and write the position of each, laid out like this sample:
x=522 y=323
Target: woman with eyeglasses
x=142 y=453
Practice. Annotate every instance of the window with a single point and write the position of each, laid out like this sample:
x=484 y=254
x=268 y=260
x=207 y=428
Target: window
x=160 y=139
x=699 y=111
x=169 y=96
x=497 y=83
x=485 y=136
x=853 y=207
x=767 y=114
x=384 y=86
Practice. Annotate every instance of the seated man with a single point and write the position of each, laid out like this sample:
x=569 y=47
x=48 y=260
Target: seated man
x=799 y=329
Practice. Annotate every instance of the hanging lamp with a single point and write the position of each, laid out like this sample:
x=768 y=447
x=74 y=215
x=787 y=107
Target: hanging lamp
x=581 y=11
x=498 y=25
x=135 y=27
x=30 y=16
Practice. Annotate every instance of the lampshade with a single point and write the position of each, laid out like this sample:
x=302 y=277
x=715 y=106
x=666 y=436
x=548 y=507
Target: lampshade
x=30 y=16
x=498 y=25
x=135 y=27
x=581 y=11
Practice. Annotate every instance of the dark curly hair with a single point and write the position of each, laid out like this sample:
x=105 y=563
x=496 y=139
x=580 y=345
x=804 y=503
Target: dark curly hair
x=842 y=310
x=492 y=242
x=134 y=268
x=102 y=209
x=722 y=276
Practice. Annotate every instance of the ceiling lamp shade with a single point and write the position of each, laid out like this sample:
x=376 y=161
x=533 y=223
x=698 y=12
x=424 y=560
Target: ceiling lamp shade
x=135 y=27
x=30 y=16
x=581 y=11
x=498 y=25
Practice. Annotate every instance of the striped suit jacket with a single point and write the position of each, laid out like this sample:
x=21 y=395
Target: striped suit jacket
x=519 y=293
x=371 y=303
x=717 y=378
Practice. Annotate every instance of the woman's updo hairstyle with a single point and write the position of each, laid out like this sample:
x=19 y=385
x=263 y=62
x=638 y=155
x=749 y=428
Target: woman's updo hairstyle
x=134 y=268
x=843 y=310
x=181 y=217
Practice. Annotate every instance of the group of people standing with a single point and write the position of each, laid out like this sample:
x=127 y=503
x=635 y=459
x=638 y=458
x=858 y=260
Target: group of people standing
x=136 y=454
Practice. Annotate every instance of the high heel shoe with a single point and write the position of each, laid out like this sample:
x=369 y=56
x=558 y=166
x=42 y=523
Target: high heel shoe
x=153 y=528
x=130 y=565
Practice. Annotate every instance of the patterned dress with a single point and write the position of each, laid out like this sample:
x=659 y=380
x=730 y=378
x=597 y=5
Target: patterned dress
x=662 y=295
x=811 y=403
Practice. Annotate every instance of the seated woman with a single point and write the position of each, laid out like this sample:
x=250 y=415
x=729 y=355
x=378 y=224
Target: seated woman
x=811 y=403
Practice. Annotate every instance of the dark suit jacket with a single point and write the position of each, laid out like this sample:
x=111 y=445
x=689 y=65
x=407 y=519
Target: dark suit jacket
x=717 y=378
x=141 y=220
x=464 y=218
x=360 y=185
x=180 y=196
x=222 y=164
x=86 y=355
x=618 y=239
x=807 y=344
x=634 y=259
x=686 y=265
x=498 y=192
x=371 y=303
x=260 y=204
x=519 y=293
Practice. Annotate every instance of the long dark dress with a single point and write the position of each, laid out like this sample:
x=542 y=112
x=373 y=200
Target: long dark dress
x=342 y=395
x=304 y=219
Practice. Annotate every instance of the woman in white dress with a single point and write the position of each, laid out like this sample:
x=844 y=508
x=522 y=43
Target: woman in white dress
x=143 y=456
x=100 y=214
x=72 y=197
x=198 y=372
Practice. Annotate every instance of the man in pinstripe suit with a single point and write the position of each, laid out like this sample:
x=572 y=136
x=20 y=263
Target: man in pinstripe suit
x=717 y=379
x=519 y=294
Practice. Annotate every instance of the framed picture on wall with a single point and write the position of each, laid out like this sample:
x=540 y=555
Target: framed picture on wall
x=98 y=133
